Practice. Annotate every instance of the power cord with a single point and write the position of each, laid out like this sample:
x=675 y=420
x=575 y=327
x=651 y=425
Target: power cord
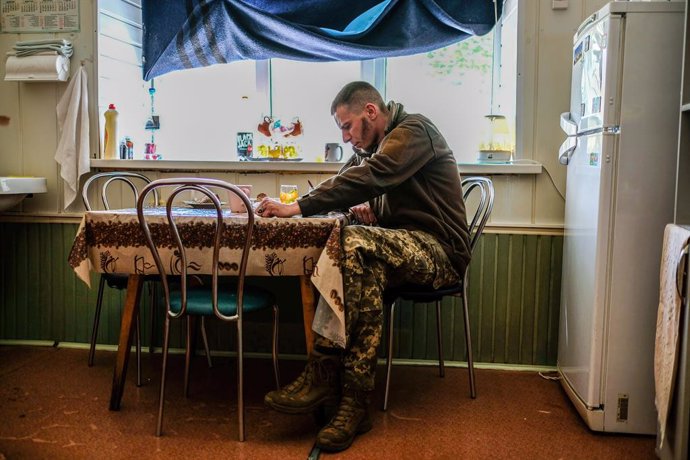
x=543 y=375
x=525 y=161
x=553 y=183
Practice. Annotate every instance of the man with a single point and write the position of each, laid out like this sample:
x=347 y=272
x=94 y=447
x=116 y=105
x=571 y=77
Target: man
x=413 y=230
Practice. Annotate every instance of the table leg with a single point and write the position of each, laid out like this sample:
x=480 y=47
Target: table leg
x=129 y=313
x=309 y=298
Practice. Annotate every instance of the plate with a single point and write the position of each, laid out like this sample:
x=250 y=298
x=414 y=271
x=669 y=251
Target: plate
x=197 y=205
x=274 y=159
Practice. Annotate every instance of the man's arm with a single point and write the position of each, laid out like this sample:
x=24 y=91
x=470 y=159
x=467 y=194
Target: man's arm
x=272 y=208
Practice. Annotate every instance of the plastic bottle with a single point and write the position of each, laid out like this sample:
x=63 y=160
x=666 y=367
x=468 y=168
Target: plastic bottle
x=110 y=141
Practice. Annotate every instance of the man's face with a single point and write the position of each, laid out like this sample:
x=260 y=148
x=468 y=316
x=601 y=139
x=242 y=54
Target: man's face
x=358 y=128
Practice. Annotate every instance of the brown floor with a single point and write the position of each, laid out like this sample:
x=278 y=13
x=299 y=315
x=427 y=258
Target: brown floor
x=53 y=406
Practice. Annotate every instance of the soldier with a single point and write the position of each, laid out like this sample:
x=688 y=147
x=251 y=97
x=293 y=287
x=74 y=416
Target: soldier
x=403 y=188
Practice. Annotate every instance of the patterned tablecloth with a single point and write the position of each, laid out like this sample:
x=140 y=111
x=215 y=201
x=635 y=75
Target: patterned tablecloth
x=112 y=242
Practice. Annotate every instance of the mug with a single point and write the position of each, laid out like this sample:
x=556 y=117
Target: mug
x=265 y=127
x=236 y=204
x=334 y=152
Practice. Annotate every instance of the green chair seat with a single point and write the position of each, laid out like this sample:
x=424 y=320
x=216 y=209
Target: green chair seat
x=199 y=300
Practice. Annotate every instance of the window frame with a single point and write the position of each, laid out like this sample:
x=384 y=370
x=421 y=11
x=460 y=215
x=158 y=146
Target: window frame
x=373 y=71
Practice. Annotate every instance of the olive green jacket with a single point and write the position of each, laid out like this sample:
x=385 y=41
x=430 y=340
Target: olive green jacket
x=411 y=182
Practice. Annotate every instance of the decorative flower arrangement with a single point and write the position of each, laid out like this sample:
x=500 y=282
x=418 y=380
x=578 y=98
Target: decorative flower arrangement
x=278 y=143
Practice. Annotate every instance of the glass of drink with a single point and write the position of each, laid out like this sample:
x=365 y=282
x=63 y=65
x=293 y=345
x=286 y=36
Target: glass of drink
x=288 y=194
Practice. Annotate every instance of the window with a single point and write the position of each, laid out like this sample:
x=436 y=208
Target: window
x=451 y=86
x=306 y=90
x=201 y=110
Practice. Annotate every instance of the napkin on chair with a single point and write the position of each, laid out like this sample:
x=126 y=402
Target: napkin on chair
x=668 y=323
x=73 y=135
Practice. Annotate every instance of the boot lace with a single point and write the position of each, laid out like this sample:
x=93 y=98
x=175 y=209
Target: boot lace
x=315 y=371
x=347 y=410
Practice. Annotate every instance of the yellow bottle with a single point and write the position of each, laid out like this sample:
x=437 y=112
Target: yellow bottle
x=110 y=139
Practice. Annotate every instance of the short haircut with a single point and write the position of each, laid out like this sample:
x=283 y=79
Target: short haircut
x=356 y=95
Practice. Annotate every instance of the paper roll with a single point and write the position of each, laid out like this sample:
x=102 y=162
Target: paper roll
x=53 y=67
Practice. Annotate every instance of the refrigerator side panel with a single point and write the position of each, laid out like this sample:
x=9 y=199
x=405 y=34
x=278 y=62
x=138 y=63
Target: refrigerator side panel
x=643 y=197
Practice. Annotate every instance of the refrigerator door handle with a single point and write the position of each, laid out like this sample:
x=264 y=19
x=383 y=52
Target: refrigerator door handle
x=568 y=125
x=567 y=149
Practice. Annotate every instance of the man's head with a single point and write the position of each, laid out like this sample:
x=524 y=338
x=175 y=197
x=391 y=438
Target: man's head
x=361 y=115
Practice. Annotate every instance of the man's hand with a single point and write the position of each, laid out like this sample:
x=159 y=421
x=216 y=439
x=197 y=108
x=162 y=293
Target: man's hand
x=273 y=208
x=364 y=214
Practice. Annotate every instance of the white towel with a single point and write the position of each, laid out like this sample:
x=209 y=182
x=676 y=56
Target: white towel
x=667 y=323
x=73 y=138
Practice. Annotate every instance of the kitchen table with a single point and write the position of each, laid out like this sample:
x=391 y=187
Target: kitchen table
x=113 y=242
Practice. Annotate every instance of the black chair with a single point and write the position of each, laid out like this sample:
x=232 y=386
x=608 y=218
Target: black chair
x=426 y=294
x=225 y=303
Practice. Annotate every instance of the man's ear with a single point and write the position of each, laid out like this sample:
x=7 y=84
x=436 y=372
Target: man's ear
x=371 y=110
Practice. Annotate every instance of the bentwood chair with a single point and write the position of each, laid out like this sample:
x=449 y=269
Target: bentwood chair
x=483 y=187
x=114 y=280
x=119 y=281
x=225 y=303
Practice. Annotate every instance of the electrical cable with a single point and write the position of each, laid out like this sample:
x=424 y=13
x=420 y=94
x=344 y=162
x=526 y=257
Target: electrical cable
x=553 y=183
x=549 y=377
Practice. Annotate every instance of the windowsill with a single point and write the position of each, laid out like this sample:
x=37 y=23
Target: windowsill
x=228 y=166
x=508 y=167
x=501 y=167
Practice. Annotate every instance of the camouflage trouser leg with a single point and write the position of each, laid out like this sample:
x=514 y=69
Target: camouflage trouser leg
x=375 y=258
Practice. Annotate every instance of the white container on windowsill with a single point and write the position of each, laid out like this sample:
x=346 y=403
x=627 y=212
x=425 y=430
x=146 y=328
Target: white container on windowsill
x=495 y=155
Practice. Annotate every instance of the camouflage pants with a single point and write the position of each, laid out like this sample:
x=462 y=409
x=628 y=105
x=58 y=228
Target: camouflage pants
x=376 y=258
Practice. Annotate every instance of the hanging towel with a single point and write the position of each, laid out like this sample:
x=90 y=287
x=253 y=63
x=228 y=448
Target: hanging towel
x=668 y=323
x=73 y=135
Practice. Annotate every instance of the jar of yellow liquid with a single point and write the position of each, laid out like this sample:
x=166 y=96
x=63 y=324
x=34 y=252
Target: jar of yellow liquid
x=290 y=151
x=275 y=151
x=288 y=194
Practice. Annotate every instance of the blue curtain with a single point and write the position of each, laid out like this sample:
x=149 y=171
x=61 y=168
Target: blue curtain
x=196 y=33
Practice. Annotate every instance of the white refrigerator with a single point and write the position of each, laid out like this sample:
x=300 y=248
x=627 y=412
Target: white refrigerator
x=620 y=154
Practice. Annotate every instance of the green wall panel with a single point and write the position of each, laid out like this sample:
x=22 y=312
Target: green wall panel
x=513 y=289
x=514 y=296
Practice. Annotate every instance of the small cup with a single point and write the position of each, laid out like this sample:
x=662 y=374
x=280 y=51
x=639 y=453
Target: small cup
x=288 y=194
x=236 y=204
x=333 y=152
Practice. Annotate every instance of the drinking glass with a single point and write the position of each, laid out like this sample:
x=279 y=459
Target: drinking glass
x=288 y=194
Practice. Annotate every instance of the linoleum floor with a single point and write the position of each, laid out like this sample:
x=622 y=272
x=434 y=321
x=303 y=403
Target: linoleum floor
x=53 y=406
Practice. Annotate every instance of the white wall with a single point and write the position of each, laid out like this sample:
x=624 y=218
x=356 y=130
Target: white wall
x=27 y=144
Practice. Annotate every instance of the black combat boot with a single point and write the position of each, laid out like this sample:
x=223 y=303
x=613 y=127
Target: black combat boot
x=350 y=419
x=318 y=384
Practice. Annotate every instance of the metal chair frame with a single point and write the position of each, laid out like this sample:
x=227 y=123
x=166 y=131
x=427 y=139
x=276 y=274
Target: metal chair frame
x=126 y=178
x=202 y=186
x=420 y=294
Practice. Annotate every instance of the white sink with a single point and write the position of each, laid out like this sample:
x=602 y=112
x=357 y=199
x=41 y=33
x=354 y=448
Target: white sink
x=14 y=189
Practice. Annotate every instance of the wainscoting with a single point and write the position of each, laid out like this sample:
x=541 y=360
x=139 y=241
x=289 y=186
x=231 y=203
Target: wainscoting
x=514 y=291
